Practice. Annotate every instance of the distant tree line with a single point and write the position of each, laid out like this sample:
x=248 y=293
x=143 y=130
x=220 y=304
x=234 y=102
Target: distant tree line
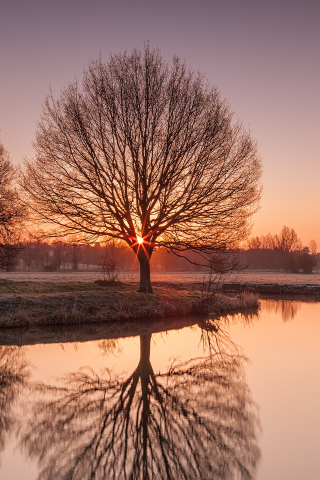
x=281 y=252
x=34 y=252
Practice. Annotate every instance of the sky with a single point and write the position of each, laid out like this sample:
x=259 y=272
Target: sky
x=263 y=56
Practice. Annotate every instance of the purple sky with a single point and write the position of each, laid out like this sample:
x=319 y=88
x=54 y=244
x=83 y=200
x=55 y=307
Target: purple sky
x=264 y=57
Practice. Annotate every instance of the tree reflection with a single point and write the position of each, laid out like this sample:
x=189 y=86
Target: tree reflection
x=288 y=309
x=196 y=421
x=13 y=375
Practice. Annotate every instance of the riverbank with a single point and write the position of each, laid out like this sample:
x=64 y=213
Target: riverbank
x=273 y=289
x=25 y=304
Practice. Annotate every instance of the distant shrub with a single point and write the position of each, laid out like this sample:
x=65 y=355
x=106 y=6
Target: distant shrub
x=307 y=261
x=109 y=264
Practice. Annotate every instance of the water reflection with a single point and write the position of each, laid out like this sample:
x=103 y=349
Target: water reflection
x=14 y=373
x=288 y=309
x=195 y=421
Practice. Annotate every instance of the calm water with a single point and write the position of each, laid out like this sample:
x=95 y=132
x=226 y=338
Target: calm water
x=232 y=399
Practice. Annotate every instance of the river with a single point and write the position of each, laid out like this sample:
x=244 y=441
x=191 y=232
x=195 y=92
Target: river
x=199 y=398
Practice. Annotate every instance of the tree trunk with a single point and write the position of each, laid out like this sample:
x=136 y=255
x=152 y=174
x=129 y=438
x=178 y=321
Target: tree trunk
x=145 y=283
x=145 y=371
x=145 y=343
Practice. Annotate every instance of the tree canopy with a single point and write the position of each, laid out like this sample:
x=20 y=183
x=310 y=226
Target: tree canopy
x=145 y=152
x=12 y=212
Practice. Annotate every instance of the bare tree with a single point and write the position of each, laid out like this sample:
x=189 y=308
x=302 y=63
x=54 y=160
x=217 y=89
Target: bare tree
x=59 y=254
x=220 y=265
x=75 y=252
x=11 y=210
x=110 y=262
x=288 y=240
x=42 y=252
x=10 y=247
x=29 y=252
x=145 y=152
x=313 y=246
x=12 y=213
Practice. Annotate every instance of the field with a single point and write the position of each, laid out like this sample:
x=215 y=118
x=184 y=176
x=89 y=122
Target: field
x=29 y=299
x=257 y=277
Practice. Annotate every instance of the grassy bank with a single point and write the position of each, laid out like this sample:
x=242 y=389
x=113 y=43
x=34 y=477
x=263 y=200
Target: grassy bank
x=51 y=303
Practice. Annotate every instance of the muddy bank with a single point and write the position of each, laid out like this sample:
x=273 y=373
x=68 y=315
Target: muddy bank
x=259 y=288
x=273 y=289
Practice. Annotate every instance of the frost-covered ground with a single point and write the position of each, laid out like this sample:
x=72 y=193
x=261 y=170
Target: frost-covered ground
x=174 y=277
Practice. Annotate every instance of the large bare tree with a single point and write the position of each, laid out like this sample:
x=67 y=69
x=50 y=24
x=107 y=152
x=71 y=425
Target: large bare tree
x=146 y=152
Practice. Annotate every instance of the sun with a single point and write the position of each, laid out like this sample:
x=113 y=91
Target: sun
x=139 y=240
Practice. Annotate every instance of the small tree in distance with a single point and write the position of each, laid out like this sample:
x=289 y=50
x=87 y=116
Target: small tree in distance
x=110 y=263
x=146 y=153
x=313 y=247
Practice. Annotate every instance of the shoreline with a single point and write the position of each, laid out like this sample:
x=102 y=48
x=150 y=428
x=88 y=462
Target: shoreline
x=92 y=332
x=29 y=304
x=37 y=303
x=273 y=288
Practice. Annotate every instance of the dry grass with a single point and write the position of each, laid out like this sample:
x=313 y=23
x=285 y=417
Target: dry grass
x=217 y=304
x=249 y=299
x=8 y=287
x=244 y=301
x=50 y=303
x=46 y=303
